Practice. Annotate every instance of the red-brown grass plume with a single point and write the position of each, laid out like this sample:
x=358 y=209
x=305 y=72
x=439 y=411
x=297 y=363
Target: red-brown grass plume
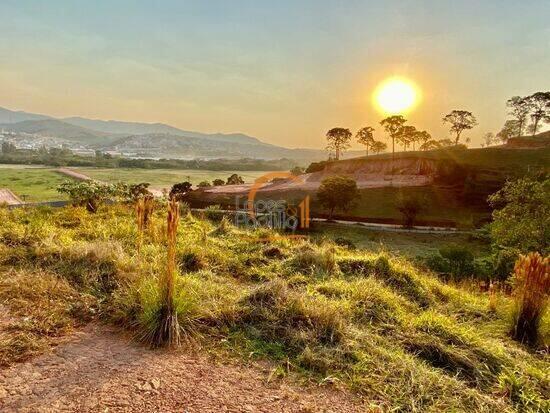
x=532 y=289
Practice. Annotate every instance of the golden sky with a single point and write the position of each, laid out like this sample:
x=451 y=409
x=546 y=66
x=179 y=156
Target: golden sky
x=284 y=71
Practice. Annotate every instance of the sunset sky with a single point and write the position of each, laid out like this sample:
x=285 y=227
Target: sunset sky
x=283 y=71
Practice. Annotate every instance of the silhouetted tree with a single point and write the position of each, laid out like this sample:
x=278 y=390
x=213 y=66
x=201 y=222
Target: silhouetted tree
x=406 y=136
x=509 y=130
x=540 y=106
x=365 y=137
x=519 y=109
x=489 y=138
x=378 y=147
x=421 y=137
x=460 y=121
x=218 y=182
x=392 y=125
x=430 y=145
x=338 y=139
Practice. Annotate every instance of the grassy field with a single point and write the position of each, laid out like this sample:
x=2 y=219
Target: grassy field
x=163 y=178
x=409 y=244
x=31 y=184
x=371 y=321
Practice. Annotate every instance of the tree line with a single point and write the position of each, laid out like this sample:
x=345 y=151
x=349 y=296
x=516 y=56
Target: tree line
x=339 y=139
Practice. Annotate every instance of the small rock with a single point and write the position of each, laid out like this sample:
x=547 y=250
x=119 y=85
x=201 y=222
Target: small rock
x=155 y=383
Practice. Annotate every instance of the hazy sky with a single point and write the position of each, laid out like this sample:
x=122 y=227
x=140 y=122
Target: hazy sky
x=284 y=71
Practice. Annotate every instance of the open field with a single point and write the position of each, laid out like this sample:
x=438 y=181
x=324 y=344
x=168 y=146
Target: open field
x=163 y=178
x=409 y=244
x=371 y=322
x=30 y=183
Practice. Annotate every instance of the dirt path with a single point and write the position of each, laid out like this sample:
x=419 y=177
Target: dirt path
x=8 y=197
x=98 y=371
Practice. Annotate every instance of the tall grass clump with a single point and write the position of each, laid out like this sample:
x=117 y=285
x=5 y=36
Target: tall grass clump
x=144 y=210
x=532 y=288
x=165 y=329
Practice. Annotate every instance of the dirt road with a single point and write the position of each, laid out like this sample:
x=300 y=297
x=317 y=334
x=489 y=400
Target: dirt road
x=8 y=197
x=98 y=371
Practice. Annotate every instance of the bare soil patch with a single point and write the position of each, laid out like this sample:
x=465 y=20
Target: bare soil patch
x=99 y=371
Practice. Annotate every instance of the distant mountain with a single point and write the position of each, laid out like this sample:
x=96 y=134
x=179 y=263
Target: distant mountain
x=10 y=116
x=156 y=140
x=138 y=128
x=58 y=129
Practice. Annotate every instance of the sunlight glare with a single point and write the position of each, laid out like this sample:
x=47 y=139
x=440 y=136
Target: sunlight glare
x=396 y=96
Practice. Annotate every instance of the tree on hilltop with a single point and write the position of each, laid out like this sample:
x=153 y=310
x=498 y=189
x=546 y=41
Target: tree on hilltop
x=365 y=136
x=540 y=107
x=338 y=140
x=519 y=109
x=378 y=147
x=460 y=121
x=393 y=125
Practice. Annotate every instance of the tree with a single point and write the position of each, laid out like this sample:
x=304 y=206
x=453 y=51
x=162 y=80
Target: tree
x=392 y=125
x=410 y=207
x=235 y=180
x=520 y=219
x=337 y=192
x=378 y=147
x=445 y=143
x=204 y=184
x=519 y=108
x=430 y=145
x=338 y=140
x=489 y=138
x=540 y=106
x=420 y=137
x=90 y=194
x=533 y=128
x=180 y=190
x=406 y=136
x=297 y=170
x=460 y=121
x=365 y=137
x=510 y=129
x=218 y=182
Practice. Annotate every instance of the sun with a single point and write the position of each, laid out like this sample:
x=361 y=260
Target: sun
x=396 y=95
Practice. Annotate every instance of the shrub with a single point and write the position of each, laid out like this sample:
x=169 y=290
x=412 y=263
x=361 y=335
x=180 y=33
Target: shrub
x=89 y=194
x=504 y=261
x=204 y=184
x=218 y=182
x=337 y=192
x=409 y=207
x=531 y=290
x=521 y=219
x=460 y=260
x=213 y=213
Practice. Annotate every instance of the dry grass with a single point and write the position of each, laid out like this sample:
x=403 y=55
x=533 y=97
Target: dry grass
x=372 y=321
x=532 y=288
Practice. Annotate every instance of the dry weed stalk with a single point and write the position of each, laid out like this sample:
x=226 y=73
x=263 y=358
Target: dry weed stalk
x=168 y=330
x=492 y=297
x=532 y=288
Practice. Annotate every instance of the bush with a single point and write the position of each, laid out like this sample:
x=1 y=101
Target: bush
x=460 y=260
x=204 y=184
x=213 y=213
x=409 y=207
